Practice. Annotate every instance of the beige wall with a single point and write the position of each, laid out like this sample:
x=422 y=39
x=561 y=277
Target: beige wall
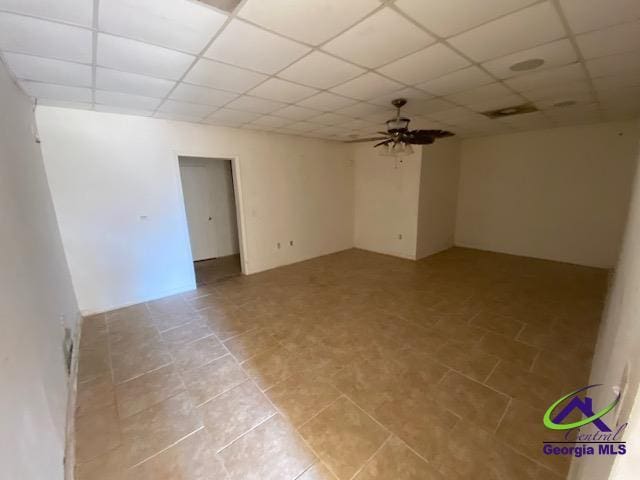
x=438 y=200
x=107 y=171
x=559 y=194
x=36 y=301
x=386 y=195
x=617 y=358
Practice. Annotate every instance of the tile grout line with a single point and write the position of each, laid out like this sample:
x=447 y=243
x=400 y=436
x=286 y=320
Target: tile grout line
x=247 y=432
x=378 y=450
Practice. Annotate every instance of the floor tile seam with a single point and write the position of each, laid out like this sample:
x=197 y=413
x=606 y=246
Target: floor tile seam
x=373 y=455
x=495 y=367
x=256 y=426
x=167 y=447
x=537 y=462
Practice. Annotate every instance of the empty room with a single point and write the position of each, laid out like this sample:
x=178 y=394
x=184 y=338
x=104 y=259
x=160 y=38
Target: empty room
x=320 y=239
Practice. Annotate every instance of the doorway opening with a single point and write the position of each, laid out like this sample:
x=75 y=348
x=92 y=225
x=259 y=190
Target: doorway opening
x=210 y=204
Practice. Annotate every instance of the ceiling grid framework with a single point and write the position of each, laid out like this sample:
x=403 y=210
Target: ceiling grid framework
x=271 y=65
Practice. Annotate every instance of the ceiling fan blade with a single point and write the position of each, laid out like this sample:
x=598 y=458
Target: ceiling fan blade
x=433 y=133
x=385 y=142
x=425 y=137
x=369 y=139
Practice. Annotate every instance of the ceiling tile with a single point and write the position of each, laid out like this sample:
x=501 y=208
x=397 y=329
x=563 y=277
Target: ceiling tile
x=498 y=102
x=253 y=104
x=296 y=113
x=458 y=81
x=362 y=109
x=379 y=39
x=446 y=18
x=356 y=124
x=424 y=123
x=585 y=15
x=428 y=106
x=178 y=117
x=426 y=64
x=304 y=126
x=330 y=119
x=64 y=104
x=451 y=115
x=407 y=93
x=183 y=108
x=79 y=12
x=225 y=77
x=529 y=120
x=492 y=90
x=554 y=54
x=49 y=71
x=321 y=70
x=619 y=39
x=561 y=91
x=137 y=57
x=311 y=21
x=622 y=80
x=56 y=92
x=325 y=101
x=132 y=83
x=20 y=34
x=524 y=29
x=231 y=116
x=270 y=121
x=203 y=95
x=367 y=86
x=177 y=24
x=547 y=78
x=282 y=90
x=247 y=46
x=553 y=102
x=126 y=100
x=613 y=64
x=123 y=110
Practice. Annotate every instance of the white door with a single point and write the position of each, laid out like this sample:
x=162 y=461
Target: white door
x=198 y=193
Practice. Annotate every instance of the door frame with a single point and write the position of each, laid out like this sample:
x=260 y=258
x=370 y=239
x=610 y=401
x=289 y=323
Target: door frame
x=237 y=193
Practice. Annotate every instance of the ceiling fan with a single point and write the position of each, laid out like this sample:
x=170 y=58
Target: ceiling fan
x=397 y=140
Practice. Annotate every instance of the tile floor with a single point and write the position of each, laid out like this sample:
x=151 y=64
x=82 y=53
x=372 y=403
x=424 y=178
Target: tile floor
x=350 y=366
x=216 y=269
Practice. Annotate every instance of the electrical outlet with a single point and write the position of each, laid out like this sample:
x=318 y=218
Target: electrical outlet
x=291 y=243
x=278 y=245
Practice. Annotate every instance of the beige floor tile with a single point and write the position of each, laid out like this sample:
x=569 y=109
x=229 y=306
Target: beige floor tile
x=473 y=363
x=109 y=466
x=147 y=390
x=189 y=332
x=505 y=325
x=471 y=400
x=132 y=362
x=198 y=353
x=157 y=428
x=128 y=331
x=235 y=412
x=172 y=320
x=138 y=311
x=317 y=472
x=395 y=461
x=97 y=433
x=301 y=396
x=94 y=395
x=94 y=330
x=226 y=323
x=272 y=451
x=344 y=437
x=528 y=387
x=175 y=304
x=192 y=458
x=509 y=349
x=212 y=379
x=93 y=361
x=251 y=343
x=272 y=366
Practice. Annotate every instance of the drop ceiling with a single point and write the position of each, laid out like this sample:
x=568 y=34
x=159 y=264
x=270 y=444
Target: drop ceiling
x=329 y=68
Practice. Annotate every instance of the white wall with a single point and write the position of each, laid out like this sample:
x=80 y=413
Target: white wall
x=107 y=170
x=386 y=201
x=35 y=292
x=438 y=200
x=559 y=194
x=222 y=203
x=618 y=355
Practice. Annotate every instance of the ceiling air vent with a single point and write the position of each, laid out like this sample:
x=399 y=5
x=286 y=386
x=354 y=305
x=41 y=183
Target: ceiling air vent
x=226 y=5
x=508 y=111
